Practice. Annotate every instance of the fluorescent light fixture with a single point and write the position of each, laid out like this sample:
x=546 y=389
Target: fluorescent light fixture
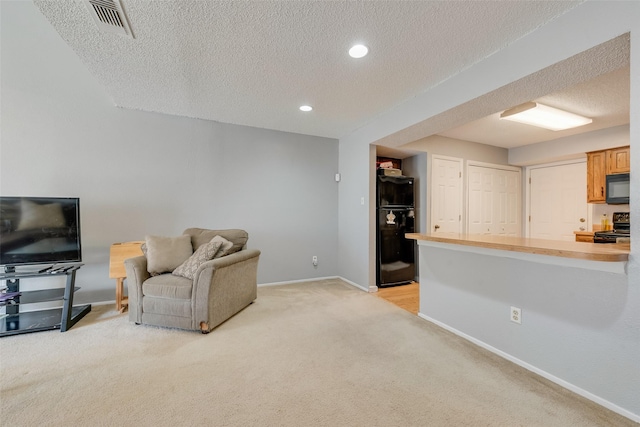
x=306 y=108
x=358 y=51
x=532 y=113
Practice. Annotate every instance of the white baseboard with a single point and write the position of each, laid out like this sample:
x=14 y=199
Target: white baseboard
x=289 y=282
x=370 y=289
x=356 y=285
x=600 y=401
x=112 y=302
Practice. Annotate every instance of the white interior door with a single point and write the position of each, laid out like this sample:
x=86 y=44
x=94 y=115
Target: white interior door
x=558 y=201
x=494 y=200
x=507 y=202
x=446 y=195
x=480 y=200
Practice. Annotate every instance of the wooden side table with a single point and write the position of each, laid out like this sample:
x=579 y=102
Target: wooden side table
x=118 y=253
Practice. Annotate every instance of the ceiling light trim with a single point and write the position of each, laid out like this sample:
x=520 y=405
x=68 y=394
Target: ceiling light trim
x=535 y=114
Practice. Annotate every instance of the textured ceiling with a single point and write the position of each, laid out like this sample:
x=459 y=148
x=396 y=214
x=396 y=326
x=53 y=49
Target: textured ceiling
x=594 y=82
x=605 y=99
x=254 y=62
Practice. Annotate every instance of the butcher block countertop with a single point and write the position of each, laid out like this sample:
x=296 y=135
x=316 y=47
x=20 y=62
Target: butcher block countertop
x=615 y=252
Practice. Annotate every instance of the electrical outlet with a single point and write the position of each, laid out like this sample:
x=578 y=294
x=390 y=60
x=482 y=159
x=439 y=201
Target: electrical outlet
x=314 y=260
x=516 y=315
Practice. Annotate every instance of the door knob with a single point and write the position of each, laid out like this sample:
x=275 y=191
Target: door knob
x=582 y=220
x=436 y=226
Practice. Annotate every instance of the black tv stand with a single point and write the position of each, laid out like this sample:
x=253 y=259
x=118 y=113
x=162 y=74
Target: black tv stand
x=15 y=321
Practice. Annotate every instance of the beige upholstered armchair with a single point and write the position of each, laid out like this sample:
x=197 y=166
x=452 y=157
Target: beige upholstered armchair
x=174 y=285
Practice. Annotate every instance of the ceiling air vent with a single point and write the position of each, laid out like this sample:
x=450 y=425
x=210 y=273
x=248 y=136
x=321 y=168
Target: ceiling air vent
x=109 y=16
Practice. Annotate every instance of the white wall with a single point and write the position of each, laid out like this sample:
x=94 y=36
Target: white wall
x=571 y=147
x=465 y=150
x=588 y=25
x=140 y=173
x=356 y=255
x=575 y=322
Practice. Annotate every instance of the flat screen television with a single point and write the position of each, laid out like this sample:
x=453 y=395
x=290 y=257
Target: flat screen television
x=39 y=230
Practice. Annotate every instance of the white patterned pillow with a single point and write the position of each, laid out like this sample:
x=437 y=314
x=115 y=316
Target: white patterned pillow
x=203 y=254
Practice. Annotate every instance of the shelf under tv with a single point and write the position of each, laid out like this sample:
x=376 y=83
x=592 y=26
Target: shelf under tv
x=41 y=295
x=41 y=320
x=17 y=321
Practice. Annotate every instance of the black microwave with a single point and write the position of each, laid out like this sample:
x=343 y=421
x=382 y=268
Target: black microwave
x=618 y=189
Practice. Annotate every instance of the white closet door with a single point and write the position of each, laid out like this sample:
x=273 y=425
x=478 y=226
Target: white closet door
x=494 y=200
x=509 y=202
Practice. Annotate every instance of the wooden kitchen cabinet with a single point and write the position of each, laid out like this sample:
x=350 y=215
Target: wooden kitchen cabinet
x=584 y=236
x=601 y=163
x=618 y=160
x=596 y=172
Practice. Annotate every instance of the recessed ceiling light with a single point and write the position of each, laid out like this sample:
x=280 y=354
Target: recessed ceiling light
x=306 y=108
x=358 y=51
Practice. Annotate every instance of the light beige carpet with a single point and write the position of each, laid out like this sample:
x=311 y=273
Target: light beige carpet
x=310 y=354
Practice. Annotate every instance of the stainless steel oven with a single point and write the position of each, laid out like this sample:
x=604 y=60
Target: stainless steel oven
x=621 y=232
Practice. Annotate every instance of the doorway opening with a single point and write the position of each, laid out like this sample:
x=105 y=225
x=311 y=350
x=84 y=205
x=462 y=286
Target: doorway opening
x=406 y=297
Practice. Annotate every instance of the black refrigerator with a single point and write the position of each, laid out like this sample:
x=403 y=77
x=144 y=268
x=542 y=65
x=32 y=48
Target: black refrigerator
x=396 y=216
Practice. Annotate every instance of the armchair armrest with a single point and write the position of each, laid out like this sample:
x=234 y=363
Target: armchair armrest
x=137 y=273
x=234 y=258
x=224 y=286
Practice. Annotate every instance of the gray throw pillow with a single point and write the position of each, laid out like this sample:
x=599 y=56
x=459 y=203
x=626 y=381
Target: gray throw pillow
x=203 y=254
x=164 y=254
x=225 y=246
x=200 y=236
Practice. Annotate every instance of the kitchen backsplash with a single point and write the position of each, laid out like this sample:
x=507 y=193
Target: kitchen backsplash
x=597 y=210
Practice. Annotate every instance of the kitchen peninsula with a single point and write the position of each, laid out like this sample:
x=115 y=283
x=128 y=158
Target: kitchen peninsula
x=591 y=256
x=569 y=297
x=565 y=249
